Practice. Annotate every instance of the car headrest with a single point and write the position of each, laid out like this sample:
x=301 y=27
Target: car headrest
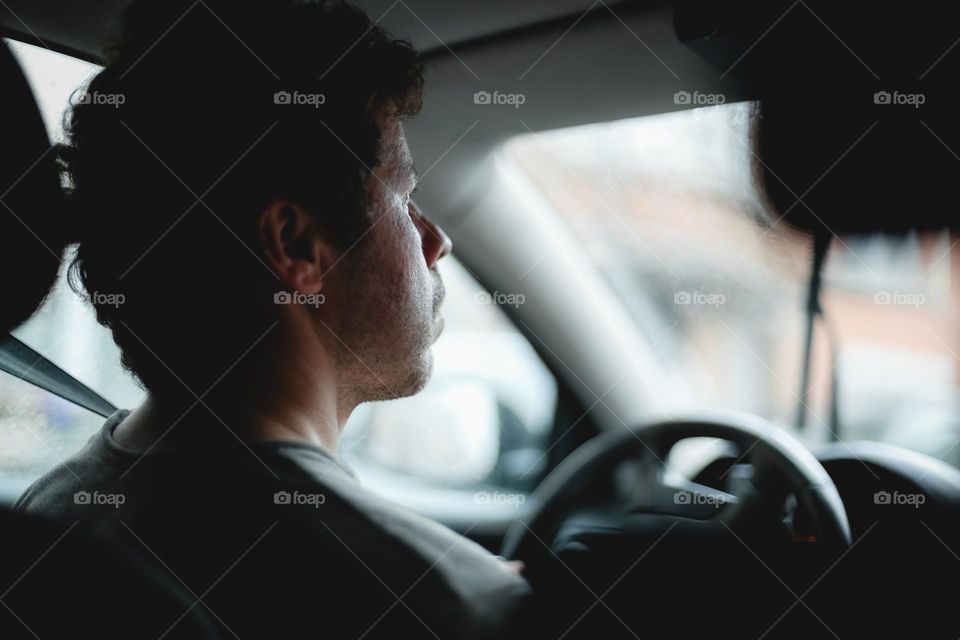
x=32 y=234
x=857 y=130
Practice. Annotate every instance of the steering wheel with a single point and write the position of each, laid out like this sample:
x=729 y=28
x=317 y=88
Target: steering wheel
x=782 y=466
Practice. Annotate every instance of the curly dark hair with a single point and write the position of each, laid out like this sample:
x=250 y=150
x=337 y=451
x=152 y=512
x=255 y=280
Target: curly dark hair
x=204 y=113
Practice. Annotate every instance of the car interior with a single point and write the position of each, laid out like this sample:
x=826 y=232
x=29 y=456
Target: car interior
x=700 y=371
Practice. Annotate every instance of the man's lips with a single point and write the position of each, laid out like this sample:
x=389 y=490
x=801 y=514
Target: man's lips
x=439 y=292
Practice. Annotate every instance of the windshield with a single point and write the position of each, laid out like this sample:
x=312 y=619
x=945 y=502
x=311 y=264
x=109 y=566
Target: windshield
x=669 y=211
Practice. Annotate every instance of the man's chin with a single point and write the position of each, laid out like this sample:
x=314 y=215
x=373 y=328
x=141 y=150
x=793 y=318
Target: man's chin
x=424 y=372
x=418 y=375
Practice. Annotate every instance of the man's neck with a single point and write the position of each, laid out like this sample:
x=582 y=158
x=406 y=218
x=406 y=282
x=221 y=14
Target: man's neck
x=287 y=388
x=160 y=424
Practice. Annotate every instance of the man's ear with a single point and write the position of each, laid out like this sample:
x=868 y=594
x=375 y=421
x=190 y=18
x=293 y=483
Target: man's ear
x=292 y=246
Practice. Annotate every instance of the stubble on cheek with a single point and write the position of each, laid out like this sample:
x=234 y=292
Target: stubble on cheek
x=388 y=322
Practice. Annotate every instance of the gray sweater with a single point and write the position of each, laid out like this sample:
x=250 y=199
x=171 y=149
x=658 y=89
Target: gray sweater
x=278 y=539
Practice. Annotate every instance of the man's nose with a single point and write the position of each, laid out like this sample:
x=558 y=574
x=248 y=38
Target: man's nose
x=436 y=243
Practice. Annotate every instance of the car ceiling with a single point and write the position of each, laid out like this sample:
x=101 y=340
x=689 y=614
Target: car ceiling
x=84 y=26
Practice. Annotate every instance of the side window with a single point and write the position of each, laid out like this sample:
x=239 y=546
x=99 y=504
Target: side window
x=37 y=428
x=53 y=77
x=37 y=431
x=485 y=416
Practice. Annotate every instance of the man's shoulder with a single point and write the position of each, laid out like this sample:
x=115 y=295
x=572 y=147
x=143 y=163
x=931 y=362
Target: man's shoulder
x=53 y=493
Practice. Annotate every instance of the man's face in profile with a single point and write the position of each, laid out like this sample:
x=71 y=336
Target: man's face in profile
x=390 y=291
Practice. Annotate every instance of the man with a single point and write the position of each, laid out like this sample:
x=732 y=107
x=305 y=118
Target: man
x=241 y=192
